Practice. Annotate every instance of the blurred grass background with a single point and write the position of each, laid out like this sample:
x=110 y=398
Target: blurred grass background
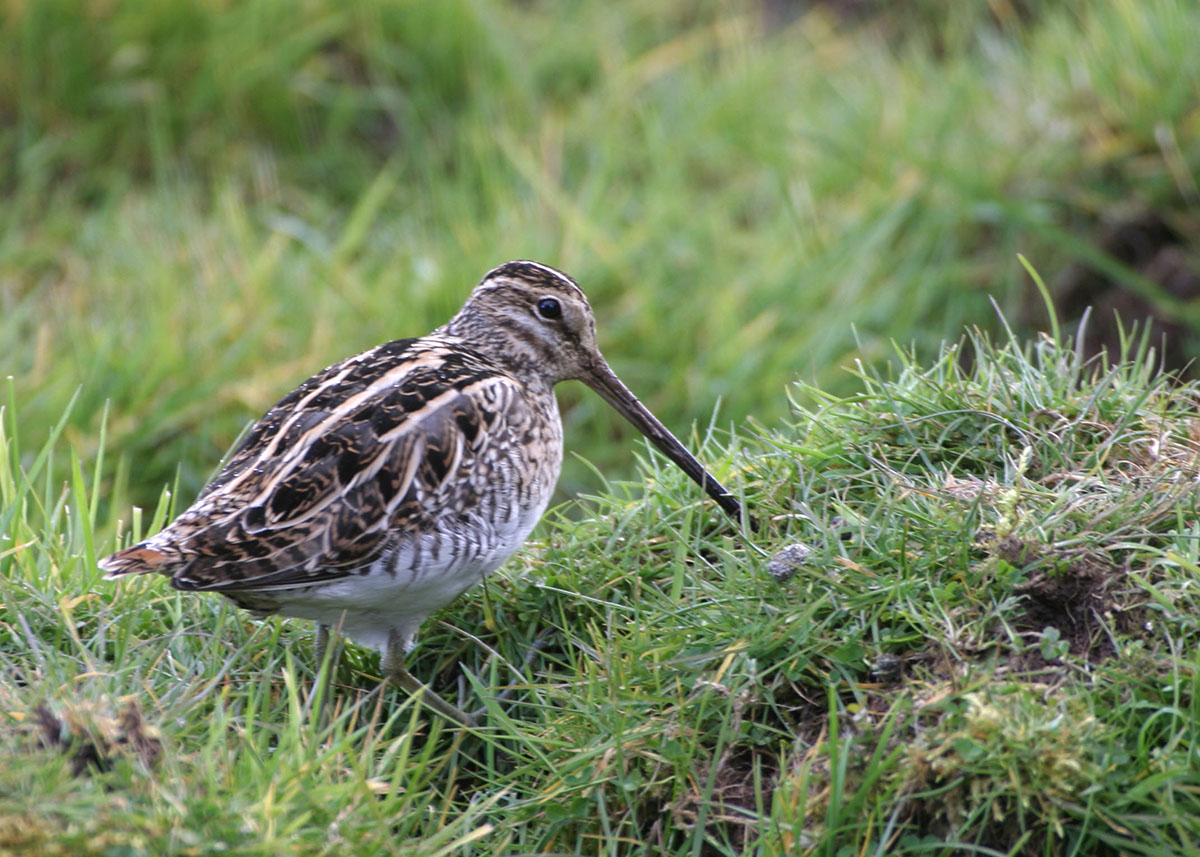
x=207 y=201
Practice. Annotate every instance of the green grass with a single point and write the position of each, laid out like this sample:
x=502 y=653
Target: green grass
x=1019 y=538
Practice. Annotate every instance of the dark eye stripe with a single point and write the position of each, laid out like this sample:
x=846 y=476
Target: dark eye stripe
x=549 y=308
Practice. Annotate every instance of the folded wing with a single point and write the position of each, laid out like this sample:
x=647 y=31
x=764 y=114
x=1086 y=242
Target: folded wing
x=367 y=451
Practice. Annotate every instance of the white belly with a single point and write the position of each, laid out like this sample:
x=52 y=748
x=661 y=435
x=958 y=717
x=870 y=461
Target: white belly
x=410 y=581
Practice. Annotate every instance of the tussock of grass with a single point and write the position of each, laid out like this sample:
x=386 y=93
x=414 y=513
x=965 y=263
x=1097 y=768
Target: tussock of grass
x=990 y=644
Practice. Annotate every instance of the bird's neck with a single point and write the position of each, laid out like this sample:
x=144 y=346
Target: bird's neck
x=498 y=344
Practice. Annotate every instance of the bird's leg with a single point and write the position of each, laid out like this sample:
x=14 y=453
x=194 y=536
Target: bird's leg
x=395 y=672
x=322 y=643
x=322 y=648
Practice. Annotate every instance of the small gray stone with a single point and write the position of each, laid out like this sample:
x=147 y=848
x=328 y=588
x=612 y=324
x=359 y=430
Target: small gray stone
x=887 y=669
x=787 y=560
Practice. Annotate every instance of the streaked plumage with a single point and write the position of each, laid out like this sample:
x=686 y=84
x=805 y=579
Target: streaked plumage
x=389 y=483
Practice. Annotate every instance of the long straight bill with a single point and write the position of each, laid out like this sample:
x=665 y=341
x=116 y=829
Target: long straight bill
x=605 y=382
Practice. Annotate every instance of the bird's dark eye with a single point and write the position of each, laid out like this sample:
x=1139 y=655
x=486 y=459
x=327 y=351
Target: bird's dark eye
x=549 y=308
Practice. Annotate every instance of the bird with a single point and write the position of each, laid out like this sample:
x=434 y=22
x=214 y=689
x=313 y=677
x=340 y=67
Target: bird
x=391 y=482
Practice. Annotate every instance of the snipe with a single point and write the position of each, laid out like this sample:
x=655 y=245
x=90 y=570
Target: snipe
x=386 y=485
